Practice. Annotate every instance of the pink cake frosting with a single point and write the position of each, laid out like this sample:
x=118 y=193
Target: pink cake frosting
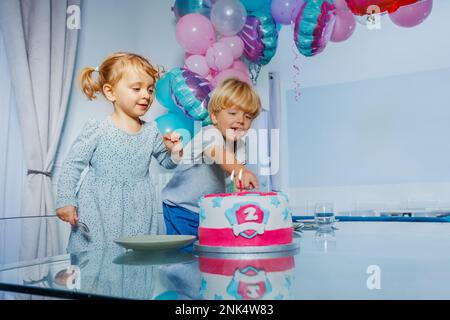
x=245 y=219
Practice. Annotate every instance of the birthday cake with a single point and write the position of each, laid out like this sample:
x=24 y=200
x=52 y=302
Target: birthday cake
x=245 y=219
x=255 y=279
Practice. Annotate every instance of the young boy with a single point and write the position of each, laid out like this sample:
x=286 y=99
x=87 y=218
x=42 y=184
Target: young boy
x=233 y=106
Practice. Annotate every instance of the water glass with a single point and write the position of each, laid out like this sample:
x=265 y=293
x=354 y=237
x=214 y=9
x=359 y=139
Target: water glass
x=324 y=215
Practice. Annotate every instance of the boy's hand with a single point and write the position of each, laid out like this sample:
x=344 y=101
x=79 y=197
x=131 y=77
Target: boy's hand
x=68 y=214
x=173 y=143
x=249 y=180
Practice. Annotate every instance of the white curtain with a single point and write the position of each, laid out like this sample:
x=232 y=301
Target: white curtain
x=41 y=54
x=12 y=164
x=12 y=167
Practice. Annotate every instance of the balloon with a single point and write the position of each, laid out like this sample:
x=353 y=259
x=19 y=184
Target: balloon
x=344 y=26
x=364 y=7
x=228 y=17
x=191 y=93
x=260 y=36
x=195 y=33
x=313 y=26
x=241 y=66
x=184 y=7
x=230 y=73
x=164 y=93
x=197 y=63
x=283 y=10
x=171 y=122
x=341 y=5
x=413 y=14
x=253 y=5
x=235 y=44
x=219 y=56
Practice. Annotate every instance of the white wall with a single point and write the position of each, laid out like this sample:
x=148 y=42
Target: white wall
x=368 y=54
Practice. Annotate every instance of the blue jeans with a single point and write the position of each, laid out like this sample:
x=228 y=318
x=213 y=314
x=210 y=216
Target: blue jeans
x=179 y=220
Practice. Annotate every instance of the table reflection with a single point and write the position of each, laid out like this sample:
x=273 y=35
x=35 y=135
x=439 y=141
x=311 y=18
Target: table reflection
x=247 y=277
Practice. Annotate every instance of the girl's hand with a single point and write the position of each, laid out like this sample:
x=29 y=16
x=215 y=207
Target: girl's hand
x=68 y=214
x=173 y=143
x=249 y=180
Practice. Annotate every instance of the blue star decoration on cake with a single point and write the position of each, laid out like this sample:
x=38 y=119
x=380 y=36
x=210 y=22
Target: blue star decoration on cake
x=275 y=201
x=202 y=214
x=217 y=202
x=287 y=283
x=286 y=214
x=203 y=288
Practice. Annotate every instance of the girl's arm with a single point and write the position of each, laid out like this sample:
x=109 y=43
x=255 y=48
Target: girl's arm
x=160 y=152
x=76 y=161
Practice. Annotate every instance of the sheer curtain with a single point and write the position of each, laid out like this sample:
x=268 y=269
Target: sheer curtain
x=41 y=55
x=12 y=168
x=12 y=164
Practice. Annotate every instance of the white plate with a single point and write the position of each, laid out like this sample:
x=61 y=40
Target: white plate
x=155 y=242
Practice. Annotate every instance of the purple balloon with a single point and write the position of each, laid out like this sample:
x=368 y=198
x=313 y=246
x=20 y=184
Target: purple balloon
x=412 y=15
x=285 y=11
x=190 y=93
x=254 y=48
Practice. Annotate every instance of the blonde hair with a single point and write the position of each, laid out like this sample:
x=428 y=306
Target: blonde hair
x=112 y=69
x=235 y=93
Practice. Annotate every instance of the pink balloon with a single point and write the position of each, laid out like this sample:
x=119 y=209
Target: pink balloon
x=412 y=15
x=187 y=55
x=230 y=73
x=219 y=56
x=344 y=26
x=341 y=5
x=197 y=64
x=240 y=66
x=236 y=45
x=195 y=33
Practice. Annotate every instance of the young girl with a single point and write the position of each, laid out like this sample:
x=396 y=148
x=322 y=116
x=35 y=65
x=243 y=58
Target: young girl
x=116 y=197
x=233 y=107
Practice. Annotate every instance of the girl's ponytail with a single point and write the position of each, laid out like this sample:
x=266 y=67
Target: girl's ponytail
x=89 y=86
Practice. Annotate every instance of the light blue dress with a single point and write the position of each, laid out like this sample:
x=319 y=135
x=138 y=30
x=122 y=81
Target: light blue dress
x=117 y=196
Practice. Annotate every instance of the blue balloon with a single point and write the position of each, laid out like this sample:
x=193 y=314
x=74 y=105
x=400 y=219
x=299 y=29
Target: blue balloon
x=184 y=7
x=253 y=5
x=164 y=93
x=171 y=122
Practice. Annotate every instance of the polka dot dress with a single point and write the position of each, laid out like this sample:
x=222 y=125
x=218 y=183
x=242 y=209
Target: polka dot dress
x=117 y=196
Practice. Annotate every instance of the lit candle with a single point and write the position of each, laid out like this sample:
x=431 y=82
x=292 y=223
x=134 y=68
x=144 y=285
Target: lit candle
x=232 y=182
x=240 y=180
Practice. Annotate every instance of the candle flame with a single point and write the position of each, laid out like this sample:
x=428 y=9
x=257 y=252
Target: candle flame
x=240 y=174
x=232 y=175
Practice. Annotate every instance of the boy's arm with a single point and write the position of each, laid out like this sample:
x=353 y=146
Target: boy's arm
x=228 y=162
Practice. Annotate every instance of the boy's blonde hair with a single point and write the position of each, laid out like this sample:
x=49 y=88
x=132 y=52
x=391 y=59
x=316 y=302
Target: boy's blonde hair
x=111 y=71
x=235 y=93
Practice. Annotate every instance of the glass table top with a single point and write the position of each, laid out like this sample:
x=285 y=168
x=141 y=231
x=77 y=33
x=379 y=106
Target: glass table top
x=360 y=260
